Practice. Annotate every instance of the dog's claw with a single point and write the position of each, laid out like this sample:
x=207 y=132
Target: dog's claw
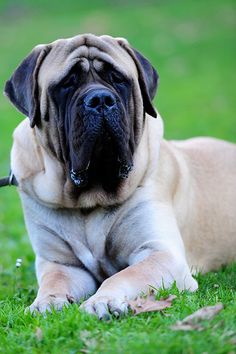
x=106 y=317
x=116 y=314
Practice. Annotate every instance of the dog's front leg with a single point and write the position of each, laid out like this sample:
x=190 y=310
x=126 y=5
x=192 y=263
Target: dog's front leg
x=157 y=270
x=60 y=285
x=157 y=262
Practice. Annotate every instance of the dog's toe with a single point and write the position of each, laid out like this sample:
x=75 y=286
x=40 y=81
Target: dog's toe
x=118 y=307
x=46 y=304
x=102 y=310
x=103 y=307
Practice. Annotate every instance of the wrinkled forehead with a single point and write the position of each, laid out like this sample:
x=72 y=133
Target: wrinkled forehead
x=87 y=50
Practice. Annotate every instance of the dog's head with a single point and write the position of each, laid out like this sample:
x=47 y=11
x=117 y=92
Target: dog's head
x=87 y=97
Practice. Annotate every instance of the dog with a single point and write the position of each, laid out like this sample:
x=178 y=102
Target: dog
x=110 y=206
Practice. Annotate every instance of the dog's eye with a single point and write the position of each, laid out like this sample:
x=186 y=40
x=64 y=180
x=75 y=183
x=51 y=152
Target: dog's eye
x=70 y=81
x=117 y=78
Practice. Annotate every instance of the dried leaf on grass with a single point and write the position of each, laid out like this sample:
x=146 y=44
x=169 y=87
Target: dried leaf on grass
x=233 y=341
x=88 y=341
x=39 y=334
x=149 y=304
x=193 y=322
x=179 y=326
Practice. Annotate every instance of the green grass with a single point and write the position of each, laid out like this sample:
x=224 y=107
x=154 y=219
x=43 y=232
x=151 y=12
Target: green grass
x=193 y=46
x=70 y=331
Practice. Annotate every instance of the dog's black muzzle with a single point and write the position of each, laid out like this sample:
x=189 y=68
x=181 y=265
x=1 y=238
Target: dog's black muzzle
x=100 y=124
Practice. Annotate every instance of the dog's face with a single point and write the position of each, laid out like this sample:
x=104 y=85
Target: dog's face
x=87 y=97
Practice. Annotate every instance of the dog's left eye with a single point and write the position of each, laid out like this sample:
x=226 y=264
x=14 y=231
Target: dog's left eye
x=117 y=78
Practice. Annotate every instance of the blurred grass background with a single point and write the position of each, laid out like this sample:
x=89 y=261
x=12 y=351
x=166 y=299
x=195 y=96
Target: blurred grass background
x=191 y=43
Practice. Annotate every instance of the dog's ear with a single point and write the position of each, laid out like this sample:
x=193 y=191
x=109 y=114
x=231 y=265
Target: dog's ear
x=148 y=77
x=22 y=87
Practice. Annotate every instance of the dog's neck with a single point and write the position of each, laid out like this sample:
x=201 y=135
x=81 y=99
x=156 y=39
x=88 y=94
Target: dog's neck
x=43 y=176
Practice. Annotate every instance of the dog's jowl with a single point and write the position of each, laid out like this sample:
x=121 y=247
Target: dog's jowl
x=111 y=207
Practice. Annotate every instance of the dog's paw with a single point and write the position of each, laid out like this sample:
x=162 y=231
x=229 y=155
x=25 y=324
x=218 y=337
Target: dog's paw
x=45 y=304
x=104 y=306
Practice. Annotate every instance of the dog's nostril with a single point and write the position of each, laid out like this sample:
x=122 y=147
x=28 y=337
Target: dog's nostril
x=94 y=102
x=109 y=101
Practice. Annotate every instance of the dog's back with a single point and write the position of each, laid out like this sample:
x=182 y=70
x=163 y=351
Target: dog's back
x=209 y=225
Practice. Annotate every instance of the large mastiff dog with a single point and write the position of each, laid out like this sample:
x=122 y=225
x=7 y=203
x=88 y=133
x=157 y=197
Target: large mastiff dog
x=111 y=208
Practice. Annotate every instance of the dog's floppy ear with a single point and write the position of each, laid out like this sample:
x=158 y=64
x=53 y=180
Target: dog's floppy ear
x=22 y=87
x=148 y=77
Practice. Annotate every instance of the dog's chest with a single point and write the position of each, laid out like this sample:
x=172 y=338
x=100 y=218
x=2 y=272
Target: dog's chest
x=92 y=246
x=101 y=240
x=95 y=240
x=73 y=237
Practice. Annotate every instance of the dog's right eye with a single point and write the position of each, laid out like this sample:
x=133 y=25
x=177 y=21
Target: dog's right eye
x=71 y=81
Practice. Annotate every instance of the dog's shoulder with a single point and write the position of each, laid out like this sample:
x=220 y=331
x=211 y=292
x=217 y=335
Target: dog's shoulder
x=26 y=157
x=37 y=173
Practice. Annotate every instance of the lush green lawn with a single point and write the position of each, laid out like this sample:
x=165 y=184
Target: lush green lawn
x=193 y=46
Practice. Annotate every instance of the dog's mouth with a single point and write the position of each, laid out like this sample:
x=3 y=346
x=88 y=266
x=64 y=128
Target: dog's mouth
x=104 y=160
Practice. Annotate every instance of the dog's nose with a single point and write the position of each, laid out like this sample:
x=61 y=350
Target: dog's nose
x=100 y=100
